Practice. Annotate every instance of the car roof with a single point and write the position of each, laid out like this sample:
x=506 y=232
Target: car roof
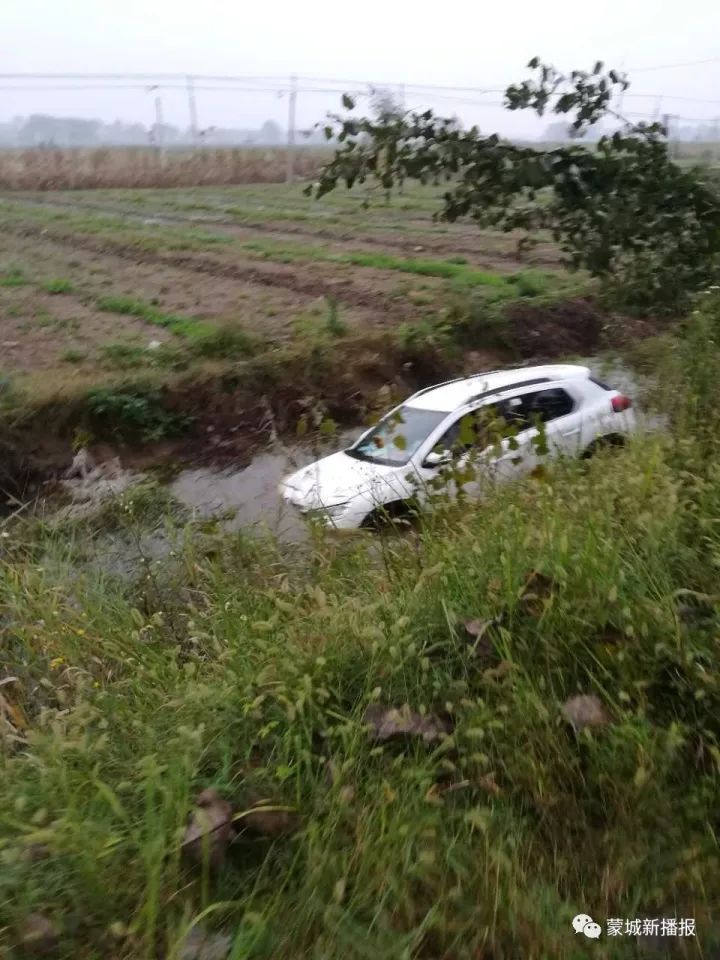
x=446 y=397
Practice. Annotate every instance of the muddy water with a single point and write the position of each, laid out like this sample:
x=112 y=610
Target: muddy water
x=248 y=498
x=249 y=495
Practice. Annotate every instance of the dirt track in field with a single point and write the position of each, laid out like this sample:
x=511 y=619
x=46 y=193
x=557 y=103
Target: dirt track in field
x=255 y=258
x=366 y=288
x=417 y=236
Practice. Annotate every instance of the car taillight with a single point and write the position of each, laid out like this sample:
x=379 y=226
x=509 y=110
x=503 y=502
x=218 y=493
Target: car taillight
x=620 y=403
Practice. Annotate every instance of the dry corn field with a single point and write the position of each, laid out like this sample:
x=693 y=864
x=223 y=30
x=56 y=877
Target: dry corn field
x=76 y=169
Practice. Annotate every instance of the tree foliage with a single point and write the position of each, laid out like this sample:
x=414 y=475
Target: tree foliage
x=620 y=208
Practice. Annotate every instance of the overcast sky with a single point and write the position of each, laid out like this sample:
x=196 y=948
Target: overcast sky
x=454 y=43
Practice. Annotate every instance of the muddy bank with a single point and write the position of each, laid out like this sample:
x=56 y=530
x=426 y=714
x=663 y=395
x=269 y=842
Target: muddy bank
x=223 y=417
x=220 y=418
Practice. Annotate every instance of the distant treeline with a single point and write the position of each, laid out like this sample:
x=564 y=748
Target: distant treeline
x=42 y=130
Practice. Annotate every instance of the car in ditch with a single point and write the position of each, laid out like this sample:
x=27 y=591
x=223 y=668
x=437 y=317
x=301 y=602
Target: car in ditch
x=461 y=434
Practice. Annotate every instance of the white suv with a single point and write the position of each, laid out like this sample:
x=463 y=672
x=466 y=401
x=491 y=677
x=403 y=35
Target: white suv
x=546 y=411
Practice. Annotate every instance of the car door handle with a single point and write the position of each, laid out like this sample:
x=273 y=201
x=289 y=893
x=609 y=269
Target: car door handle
x=571 y=433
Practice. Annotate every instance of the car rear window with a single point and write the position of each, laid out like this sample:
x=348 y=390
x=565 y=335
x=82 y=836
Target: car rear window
x=599 y=383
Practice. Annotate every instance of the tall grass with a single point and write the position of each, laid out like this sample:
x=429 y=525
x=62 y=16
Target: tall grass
x=245 y=666
x=77 y=169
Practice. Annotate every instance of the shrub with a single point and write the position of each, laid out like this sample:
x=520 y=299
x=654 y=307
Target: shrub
x=132 y=414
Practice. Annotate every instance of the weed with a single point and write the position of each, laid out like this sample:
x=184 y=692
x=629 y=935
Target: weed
x=57 y=286
x=449 y=270
x=124 y=356
x=73 y=356
x=250 y=669
x=333 y=323
x=423 y=333
x=529 y=284
x=13 y=278
x=132 y=413
x=226 y=341
x=183 y=326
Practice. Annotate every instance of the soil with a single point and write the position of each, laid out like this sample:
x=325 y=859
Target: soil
x=39 y=330
x=571 y=327
x=481 y=248
x=234 y=407
x=359 y=288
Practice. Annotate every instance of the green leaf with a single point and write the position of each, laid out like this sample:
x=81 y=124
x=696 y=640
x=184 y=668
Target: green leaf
x=348 y=102
x=466 y=434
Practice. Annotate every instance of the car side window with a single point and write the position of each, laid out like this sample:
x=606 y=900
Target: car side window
x=539 y=406
x=473 y=431
x=458 y=436
x=551 y=404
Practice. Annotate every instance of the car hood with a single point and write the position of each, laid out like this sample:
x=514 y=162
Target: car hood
x=340 y=477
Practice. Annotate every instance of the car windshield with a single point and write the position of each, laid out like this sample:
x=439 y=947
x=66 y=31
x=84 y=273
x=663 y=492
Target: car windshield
x=398 y=436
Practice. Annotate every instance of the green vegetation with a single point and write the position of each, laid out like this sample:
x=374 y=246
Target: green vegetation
x=13 y=278
x=333 y=322
x=124 y=356
x=183 y=326
x=57 y=286
x=620 y=208
x=448 y=270
x=73 y=356
x=132 y=414
x=243 y=667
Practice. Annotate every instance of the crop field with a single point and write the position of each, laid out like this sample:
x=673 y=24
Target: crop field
x=55 y=169
x=88 y=279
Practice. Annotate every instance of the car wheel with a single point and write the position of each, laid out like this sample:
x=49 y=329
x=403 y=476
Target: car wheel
x=399 y=514
x=611 y=441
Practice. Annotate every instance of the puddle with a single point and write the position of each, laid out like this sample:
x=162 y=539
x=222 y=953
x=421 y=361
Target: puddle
x=250 y=495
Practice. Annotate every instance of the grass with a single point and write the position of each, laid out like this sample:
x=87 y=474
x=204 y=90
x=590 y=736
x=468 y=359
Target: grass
x=124 y=356
x=242 y=666
x=13 y=278
x=73 y=356
x=57 y=286
x=446 y=269
x=183 y=326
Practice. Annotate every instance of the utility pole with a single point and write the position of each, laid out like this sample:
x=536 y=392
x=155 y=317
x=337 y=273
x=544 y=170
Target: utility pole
x=292 y=103
x=192 y=108
x=160 y=128
x=674 y=142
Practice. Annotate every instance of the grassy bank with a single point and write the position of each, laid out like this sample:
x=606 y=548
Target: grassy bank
x=241 y=667
x=242 y=388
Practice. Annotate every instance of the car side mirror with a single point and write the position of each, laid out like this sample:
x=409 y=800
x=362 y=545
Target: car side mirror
x=437 y=458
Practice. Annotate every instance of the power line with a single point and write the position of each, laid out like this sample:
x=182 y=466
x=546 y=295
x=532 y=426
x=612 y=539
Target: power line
x=270 y=84
x=673 y=66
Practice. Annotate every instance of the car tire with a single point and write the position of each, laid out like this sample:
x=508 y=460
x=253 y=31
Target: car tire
x=611 y=441
x=399 y=513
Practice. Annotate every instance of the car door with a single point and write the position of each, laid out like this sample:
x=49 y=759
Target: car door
x=456 y=447
x=559 y=410
x=547 y=423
